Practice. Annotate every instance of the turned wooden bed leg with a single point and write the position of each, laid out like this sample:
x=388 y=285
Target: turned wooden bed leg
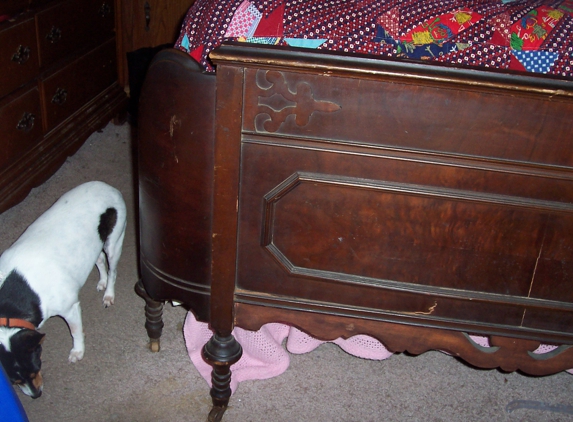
x=153 y=317
x=221 y=352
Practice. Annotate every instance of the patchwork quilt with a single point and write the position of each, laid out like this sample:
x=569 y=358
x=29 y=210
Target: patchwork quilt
x=520 y=35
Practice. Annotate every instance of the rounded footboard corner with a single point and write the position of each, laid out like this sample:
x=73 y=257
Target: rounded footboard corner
x=174 y=156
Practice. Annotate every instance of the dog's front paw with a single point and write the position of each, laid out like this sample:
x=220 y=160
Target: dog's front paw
x=108 y=300
x=75 y=355
x=102 y=284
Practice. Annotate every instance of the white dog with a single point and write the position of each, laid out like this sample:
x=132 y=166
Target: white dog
x=42 y=273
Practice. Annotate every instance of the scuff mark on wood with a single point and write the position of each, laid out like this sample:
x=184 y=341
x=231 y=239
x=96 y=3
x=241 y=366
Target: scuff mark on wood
x=172 y=123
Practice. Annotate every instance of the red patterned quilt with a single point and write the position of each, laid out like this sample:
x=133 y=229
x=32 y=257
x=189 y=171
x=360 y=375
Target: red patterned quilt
x=523 y=35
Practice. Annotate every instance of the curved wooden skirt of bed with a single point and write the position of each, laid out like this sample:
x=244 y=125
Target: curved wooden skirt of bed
x=348 y=195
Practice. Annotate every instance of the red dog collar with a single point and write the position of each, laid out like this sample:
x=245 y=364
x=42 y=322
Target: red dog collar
x=16 y=323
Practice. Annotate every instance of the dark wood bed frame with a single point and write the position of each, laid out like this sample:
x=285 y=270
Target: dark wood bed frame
x=350 y=195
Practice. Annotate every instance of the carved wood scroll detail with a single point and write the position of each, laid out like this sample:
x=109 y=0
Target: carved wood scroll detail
x=506 y=353
x=280 y=100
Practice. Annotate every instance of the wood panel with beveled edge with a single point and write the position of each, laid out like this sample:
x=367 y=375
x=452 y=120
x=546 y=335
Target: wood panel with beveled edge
x=424 y=239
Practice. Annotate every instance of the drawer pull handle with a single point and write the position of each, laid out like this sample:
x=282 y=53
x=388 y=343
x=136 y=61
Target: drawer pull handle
x=21 y=55
x=60 y=96
x=104 y=10
x=26 y=123
x=54 y=35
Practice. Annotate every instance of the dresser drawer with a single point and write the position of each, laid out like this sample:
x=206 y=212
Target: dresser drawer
x=101 y=20
x=20 y=125
x=71 y=25
x=70 y=88
x=18 y=56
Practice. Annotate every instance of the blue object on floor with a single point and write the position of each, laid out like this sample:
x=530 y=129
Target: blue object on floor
x=11 y=409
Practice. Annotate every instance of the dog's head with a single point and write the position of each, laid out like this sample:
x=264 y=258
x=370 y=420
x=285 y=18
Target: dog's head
x=21 y=360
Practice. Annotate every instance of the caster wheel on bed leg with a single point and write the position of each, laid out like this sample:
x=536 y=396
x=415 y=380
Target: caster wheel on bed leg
x=153 y=317
x=221 y=352
x=154 y=345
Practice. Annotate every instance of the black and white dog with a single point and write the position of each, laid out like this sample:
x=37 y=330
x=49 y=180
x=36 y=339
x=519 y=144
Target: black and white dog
x=42 y=273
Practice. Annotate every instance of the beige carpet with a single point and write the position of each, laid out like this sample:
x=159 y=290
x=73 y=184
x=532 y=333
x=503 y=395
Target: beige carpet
x=119 y=379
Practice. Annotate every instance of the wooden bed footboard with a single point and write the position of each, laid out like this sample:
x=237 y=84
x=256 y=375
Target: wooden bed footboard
x=175 y=162
x=343 y=195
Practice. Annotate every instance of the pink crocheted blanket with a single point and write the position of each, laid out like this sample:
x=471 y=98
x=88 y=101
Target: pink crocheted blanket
x=264 y=355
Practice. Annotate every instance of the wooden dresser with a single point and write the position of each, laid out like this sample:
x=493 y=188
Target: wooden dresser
x=58 y=84
x=149 y=23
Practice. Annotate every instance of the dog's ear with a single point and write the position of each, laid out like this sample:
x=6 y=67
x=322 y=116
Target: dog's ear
x=27 y=340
